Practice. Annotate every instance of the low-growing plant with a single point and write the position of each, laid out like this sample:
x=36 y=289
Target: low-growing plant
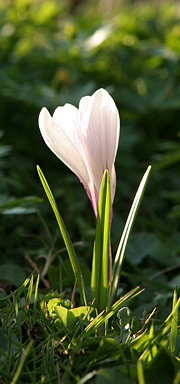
x=106 y=328
x=87 y=140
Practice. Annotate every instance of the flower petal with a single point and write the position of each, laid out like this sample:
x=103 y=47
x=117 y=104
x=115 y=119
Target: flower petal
x=100 y=126
x=86 y=140
x=61 y=143
x=103 y=123
x=112 y=176
x=67 y=118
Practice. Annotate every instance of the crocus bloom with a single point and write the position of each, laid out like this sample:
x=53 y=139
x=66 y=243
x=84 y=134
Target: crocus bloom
x=85 y=139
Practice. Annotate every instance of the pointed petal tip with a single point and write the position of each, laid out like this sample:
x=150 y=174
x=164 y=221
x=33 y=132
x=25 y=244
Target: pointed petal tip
x=43 y=113
x=44 y=121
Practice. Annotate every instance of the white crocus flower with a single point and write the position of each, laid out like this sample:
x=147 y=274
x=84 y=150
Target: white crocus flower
x=85 y=139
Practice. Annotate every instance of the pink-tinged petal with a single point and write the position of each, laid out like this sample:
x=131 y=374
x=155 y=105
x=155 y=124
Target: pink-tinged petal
x=99 y=119
x=67 y=118
x=112 y=176
x=61 y=144
x=100 y=127
x=86 y=140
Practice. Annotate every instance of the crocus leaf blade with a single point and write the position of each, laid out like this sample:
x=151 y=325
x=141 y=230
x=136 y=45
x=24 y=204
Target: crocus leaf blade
x=106 y=206
x=71 y=252
x=125 y=235
x=100 y=267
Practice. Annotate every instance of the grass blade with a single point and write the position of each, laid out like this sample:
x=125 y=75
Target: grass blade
x=140 y=373
x=168 y=322
x=36 y=294
x=65 y=235
x=29 y=293
x=174 y=324
x=22 y=361
x=126 y=233
x=103 y=317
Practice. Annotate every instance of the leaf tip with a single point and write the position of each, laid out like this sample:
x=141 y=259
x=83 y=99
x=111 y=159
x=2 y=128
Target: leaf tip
x=38 y=170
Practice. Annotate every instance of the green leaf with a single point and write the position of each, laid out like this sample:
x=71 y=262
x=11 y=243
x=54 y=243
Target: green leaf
x=65 y=235
x=23 y=206
x=168 y=322
x=160 y=369
x=70 y=317
x=29 y=293
x=140 y=372
x=67 y=318
x=19 y=211
x=13 y=273
x=114 y=375
x=125 y=316
x=174 y=324
x=125 y=236
x=101 y=255
x=21 y=363
x=140 y=245
x=4 y=342
x=103 y=317
x=55 y=301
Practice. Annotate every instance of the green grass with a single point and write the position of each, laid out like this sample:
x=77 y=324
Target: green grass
x=36 y=346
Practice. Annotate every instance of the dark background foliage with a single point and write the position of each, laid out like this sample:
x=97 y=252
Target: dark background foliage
x=54 y=52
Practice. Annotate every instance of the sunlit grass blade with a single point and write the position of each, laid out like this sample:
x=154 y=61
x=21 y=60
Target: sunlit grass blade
x=65 y=235
x=177 y=378
x=29 y=293
x=125 y=235
x=18 y=292
x=36 y=294
x=174 y=324
x=103 y=317
x=168 y=322
x=100 y=265
x=140 y=373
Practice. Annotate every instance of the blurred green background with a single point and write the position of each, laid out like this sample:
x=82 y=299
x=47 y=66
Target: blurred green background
x=53 y=52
